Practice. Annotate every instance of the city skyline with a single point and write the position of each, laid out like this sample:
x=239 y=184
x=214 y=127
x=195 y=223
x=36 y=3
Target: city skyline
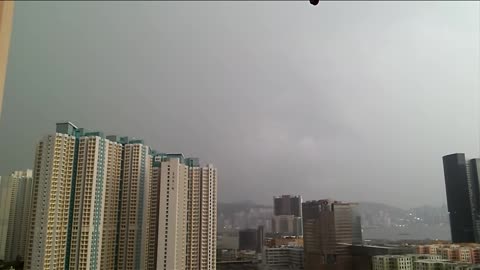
x=347 y=91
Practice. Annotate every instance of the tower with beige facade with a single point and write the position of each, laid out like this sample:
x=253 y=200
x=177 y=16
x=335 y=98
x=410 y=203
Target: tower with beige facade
x=52 y=186
x=183 y=209
x=96 y=202
x=172 y=213
x=132 y=243
x=202 y=216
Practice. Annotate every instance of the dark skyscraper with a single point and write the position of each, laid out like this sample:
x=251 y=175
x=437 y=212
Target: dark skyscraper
x=462 y=196
x=247 y=239
x=287 y=205
x=327 y=235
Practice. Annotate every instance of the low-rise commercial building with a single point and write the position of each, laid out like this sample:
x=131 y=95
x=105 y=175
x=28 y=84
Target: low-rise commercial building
x=283 y=258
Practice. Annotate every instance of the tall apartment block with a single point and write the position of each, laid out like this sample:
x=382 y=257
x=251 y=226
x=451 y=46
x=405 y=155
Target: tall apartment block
x=52 y=187
x=172 y=214
x=113 y=171
x=203 y=202
x=186 y=207
x=108 y=202
x=328 y=232
x=95 y=202
x=15 y=200
x=463 y=197
x=132 y=243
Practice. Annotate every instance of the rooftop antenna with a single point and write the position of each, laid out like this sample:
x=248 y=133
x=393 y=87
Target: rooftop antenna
x=314 y=2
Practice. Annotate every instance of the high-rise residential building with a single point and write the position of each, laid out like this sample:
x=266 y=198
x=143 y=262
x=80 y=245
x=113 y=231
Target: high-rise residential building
x=172 y=214
x=183 y=207
x=95 y=202
x=463 y=198
x=202 y=243
x=287 y=205
x=153 y=208
x=52 y=187
x=132 y=243
x=328 y=235
x=18 y=217
x=113 y=172
x=108 y=202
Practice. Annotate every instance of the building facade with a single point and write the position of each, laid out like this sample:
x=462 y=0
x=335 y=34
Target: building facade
x=287 y=205
x=52 y=187
x=109 y=202
x=283 y=258
x=18 y=217
x=287 y=215
x=402 y=262
x=202 y=216
x=289 y=225
x=172 y=231
x=461 y=184
x=133 y=214
x=328 y=233
x=95 y=203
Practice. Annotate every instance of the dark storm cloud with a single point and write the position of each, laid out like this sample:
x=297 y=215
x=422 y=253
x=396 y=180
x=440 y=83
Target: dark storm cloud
x=349 y=100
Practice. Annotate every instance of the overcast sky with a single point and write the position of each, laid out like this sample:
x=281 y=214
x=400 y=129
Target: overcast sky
x=355 y=101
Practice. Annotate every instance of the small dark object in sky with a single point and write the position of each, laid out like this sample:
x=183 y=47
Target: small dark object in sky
x=314 y=2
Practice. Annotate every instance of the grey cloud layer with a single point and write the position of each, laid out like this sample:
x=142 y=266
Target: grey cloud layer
x=356 y=101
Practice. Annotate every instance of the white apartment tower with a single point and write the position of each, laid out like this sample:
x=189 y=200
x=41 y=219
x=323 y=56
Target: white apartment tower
x=52 y=182
x=172 y=214
x=208 y=218
x=202 y=216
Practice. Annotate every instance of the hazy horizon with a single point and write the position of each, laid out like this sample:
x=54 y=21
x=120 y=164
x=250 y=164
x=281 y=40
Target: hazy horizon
x=355 y=101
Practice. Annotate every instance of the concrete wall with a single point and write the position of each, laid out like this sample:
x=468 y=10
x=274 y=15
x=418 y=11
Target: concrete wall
x=6 y=18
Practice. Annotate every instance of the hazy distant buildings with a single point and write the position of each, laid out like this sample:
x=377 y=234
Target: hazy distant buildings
x=287 y=218
x=328 y=235
x=15 y=201
x=463 y=198
x=287 y=205
x=287 y=225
